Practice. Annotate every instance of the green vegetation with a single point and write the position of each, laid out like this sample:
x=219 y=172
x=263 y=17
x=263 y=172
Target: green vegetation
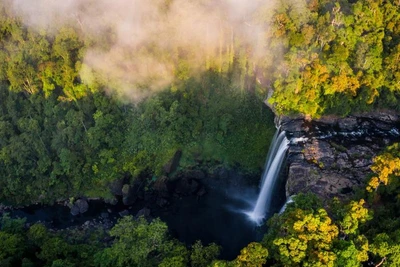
x=135 y=243
x=61 y=138
x=51 y=149
x=338 y=57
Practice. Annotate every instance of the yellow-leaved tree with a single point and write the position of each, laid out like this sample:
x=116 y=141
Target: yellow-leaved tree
x=385 y=167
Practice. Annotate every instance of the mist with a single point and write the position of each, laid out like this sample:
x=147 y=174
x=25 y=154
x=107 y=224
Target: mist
x=140 y=46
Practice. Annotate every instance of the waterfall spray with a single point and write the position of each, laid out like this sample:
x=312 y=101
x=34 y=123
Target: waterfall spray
x=270 y=175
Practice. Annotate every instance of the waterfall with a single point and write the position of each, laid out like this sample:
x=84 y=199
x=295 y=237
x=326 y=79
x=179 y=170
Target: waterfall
x=288 y=201
x=275 y=143
x=270 y=175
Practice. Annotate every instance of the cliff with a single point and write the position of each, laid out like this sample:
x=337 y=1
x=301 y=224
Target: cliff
x=332 y=156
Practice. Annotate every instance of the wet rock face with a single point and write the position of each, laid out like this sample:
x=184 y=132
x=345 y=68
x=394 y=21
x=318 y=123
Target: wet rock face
x=329 y=169
x=334 y=164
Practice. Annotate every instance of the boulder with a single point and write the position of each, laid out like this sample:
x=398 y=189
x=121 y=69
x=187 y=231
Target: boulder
x=116 y=187
x=80 y=206
x=83 y=205
x=145 y=212
x=112 y=201
x=173 y=162
x=129 y=195
x=74 y=210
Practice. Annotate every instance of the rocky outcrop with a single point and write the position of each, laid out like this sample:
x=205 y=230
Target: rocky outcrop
x=327 y=168
x=333 y=155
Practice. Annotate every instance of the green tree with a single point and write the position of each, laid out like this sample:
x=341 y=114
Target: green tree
x=139 y=243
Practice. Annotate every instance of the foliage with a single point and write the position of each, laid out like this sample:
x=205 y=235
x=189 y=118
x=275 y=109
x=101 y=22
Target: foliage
x=385 y=166
x=202 y=256
x=339 y=57
x=304 y=238
x=61 y=136
x=139 y=243
x=252 y=255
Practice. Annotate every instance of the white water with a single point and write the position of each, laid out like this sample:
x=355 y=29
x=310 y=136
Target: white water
x=288 y=201
x=270 y=175
x=276 y=140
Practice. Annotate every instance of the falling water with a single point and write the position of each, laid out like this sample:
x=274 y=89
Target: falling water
x=270 y=175
x=275 y=143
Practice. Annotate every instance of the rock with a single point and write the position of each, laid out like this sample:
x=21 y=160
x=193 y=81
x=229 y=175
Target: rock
x=112 y=201
x=348 y=124
x=295 y=149
x=307 y=178
x=292 y=125
x=383 y=126
x=186 y=186
x=362 y=163
x=300 y=176
x=74 y=210
x=128 y=194
x=342 y=162
x=83 y=205
x=145 y=212
x=173 y=163
x=80 y=206
x=331 y=120
x=161 y=187
x=320 y=153
x=123 y=213
x=116 y=187
x=104 y=215
x=384 y=116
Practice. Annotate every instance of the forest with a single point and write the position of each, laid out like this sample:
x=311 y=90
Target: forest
x=69 y=129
